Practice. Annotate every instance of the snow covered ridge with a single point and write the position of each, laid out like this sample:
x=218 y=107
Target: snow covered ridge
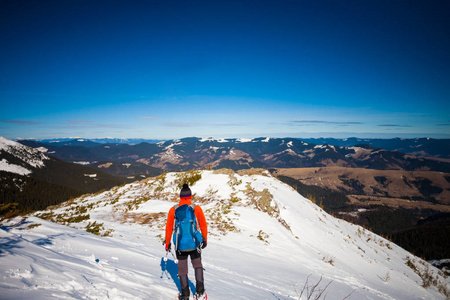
x=256 y=224
x=238 y=140
x=32 y=157
x=12 y=168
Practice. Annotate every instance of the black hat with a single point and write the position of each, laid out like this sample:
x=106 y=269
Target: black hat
x=185 y=191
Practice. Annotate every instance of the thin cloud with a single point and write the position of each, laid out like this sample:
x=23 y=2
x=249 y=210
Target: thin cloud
x=309 y=121
x=20 y=122
x=325 y=122
x=79 y=121
x=394 y=125
x=148 y=118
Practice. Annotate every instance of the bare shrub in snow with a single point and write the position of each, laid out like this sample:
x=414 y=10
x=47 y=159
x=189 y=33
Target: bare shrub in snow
x=313 y=290
x=262 y=236
x=329 y=260
x=263 y=201
x=422 y=269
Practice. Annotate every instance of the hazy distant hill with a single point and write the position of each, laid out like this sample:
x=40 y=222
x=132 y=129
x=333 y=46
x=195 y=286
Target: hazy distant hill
x=92 y=142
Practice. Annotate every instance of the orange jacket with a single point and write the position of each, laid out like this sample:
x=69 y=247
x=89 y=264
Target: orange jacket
x=198 y=214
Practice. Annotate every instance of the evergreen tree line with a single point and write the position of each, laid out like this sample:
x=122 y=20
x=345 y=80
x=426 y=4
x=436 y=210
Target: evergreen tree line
x=76 y=176
x=22 y=194
x=53 y=184
x=328 y=199
x=429 y=241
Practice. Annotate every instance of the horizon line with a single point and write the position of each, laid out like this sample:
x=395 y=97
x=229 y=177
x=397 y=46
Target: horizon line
x=430 y=136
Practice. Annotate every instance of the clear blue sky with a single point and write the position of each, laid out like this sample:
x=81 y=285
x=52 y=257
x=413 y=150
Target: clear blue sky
x=172 y=69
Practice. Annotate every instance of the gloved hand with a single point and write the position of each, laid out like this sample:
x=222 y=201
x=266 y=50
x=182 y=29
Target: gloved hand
x=168 y=246
x=203 y=244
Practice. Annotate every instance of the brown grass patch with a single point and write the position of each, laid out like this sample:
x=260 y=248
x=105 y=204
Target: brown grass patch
x=153 y=219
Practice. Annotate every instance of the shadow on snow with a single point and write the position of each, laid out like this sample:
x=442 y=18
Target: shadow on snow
x=169 y=269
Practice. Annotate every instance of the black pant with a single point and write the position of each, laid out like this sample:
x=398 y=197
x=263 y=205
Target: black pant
x=196 y=260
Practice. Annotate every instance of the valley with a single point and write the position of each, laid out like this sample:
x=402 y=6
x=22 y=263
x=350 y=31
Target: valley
x=394 y=188
x=411 y=208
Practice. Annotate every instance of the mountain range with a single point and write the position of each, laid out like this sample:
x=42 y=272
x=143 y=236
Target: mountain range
x=193 y=153
x=421 y=147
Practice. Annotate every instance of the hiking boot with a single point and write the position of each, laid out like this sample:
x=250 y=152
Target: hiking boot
x=182 y=297
x=199 y=288
x=200 y=291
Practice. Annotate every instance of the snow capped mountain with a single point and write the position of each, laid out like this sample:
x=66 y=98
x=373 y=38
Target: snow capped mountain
x=425 y=147
x=421 y=147
x=20 y=159
x=194 y=153
x=265 y=242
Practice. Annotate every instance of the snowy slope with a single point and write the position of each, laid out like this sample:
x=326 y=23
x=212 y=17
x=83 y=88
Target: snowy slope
x=265 y=242
x=25 y=158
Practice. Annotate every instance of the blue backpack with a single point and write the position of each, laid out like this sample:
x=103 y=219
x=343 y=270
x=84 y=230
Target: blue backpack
x=186 y=236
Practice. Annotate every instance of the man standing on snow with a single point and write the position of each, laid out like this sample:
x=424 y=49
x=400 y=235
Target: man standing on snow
x=182 y=255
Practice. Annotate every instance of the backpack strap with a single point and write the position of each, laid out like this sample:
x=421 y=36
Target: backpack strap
x=192 y=205
x=175 y=221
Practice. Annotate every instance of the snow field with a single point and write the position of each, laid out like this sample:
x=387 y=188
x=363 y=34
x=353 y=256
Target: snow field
x=260 y=255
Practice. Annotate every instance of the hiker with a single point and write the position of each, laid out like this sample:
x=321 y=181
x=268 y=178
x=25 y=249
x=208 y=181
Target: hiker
x=177 y=213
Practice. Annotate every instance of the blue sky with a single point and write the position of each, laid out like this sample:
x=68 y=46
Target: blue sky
x=172 y=69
